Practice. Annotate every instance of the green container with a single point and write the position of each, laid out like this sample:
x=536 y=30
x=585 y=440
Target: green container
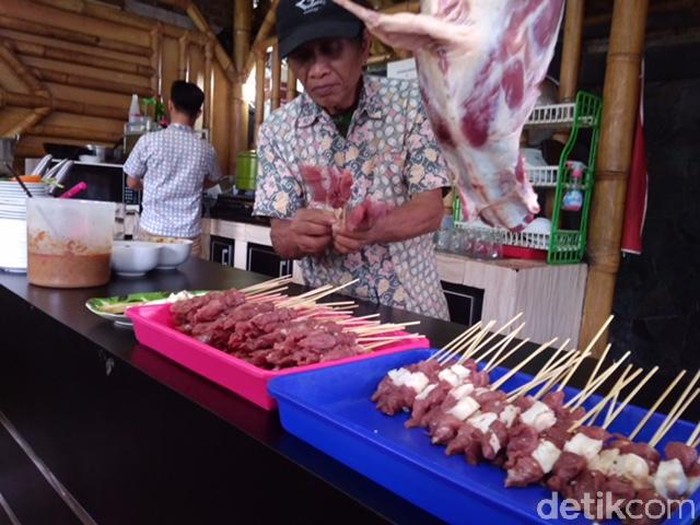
x=246 y=170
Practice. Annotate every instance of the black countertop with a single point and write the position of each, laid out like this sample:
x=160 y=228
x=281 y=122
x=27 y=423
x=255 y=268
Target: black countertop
x=135 y=438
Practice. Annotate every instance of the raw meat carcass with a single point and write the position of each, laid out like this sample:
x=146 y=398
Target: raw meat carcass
x=480 y=63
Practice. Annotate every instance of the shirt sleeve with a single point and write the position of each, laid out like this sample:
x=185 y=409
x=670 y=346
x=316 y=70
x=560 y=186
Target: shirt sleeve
x=426 y=168
x=278 y=193
x=213 y=167
x=135 y=165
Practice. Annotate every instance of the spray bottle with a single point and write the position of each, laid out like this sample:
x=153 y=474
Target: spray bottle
x=573 y=198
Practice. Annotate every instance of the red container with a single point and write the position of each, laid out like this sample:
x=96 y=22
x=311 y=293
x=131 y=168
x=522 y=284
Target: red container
x=153 y=326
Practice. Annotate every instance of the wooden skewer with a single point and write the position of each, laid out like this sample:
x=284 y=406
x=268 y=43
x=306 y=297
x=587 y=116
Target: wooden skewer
x=552 y=368
x=448 y=353
x=337 y=303
x=503 y=345
x=497 y=332
x=693 y=436
x=586 y=392
x=696 y=443
x=571 y=372
x=592 y=377
x=271 y=283
x=612 y=416
x=264 y=293
x=619 y=385
x=329 y=292
x=508 y=354
x=656 y=405
x=381 y=328
x=671 y=420
x=475 y=345
x=678 y=403
x=525 y=361
x=575 y=363
x=391 y=338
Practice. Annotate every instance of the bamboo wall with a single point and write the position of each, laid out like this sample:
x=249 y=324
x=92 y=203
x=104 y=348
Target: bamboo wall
x=68 y=69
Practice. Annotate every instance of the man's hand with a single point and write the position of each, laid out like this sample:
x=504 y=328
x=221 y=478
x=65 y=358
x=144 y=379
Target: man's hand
x=346 y=241
x=309 y=232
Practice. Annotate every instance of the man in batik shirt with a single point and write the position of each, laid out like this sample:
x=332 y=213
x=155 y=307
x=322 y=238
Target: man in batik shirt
x=377 y=130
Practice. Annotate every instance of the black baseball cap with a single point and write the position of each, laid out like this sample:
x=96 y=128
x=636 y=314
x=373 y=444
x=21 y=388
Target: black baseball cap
x=301 y=21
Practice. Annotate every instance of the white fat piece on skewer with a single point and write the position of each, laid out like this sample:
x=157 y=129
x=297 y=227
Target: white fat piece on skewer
x=633 y=468
x=539 y=416
x=454 y=375
x=670 y=480
x=694 y=483
x=466 y=405
x=509 y=414
x=546 y=454
x=604 y=461
x=404 y=377
x=584 y=446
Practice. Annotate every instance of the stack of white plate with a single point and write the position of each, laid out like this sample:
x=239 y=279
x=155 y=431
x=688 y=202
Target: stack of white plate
x=13 y=223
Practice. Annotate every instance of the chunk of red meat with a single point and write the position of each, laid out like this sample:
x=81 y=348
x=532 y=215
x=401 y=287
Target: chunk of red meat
x=526 y=471
x=688 y=456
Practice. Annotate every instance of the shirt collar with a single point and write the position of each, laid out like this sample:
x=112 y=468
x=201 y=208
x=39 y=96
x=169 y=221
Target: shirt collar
x=182 y=127
x=370 y=104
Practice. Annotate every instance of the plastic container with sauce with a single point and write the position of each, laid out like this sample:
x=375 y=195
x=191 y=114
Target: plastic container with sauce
x=69 y=242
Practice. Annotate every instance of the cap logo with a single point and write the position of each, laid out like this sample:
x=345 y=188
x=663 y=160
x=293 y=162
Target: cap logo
x=310 y=6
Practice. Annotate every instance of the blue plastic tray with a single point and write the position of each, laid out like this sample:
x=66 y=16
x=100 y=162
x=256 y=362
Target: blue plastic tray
x=331 y=409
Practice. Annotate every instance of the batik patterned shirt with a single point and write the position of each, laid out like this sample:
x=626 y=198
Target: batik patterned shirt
x=391 y=151
x=173 y=164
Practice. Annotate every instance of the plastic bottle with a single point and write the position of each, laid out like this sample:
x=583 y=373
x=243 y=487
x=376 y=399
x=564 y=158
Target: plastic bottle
x=572 y=202
x=134 y=109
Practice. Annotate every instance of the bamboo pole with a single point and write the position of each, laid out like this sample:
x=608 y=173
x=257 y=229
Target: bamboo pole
x=276 y=79
x=291 y=84
x=23 y=72
x=208 y=54
x=67 y=132
x=156 y=58
x=621 y=97
x=242 y=29
x=30 y=121
x=199 y=21
x=266 y=28
x=571 y=50
x=97 y=84
x=259 y=92
x=8 y=98
x=84 y=59
x=35 y=28
x=183 y=62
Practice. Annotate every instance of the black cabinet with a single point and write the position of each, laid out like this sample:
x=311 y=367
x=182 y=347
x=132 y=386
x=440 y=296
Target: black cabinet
x=221 y=250
x=263 y=259
x=464 y=302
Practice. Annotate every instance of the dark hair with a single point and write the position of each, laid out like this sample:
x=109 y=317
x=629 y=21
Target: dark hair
x=187 y=98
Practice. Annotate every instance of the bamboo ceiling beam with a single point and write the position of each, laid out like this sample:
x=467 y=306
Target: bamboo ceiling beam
x=8 y=98
x=28 y=78
x=35 y=28
x=266 y=28
x=29 y=121
x=97 y=84
x=85 y=59
x=200 y=23
x=75 y=21
x=67 y=132
x=242 y=29
x=571 y=50
x=620 y=106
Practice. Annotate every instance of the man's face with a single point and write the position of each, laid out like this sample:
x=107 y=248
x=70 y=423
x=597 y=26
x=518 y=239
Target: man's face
x=330 y=70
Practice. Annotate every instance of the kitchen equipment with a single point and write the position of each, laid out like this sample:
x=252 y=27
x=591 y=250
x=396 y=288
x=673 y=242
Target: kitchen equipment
x=173 y=253
x=7 y=153
x=153 y=326
x=42 y=167
x=99 y=151
x=246 y=170
x=331 y=409
x=134 y=258
x=65 y=151
x=69 y=242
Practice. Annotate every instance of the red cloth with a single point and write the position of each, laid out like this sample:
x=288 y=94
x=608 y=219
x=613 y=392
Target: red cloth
x=636 y=201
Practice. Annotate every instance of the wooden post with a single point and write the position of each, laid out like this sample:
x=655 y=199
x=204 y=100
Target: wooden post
x=571 y=50
x=291 y=84
x=156 y=57
x=259 y=91
x=242 y=26
x=266 y=28
x=276 y=78
x=208 y=95
x=620 y=105
x=183 y=56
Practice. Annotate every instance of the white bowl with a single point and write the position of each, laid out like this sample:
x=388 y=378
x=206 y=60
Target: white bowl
x=92 y=159
x=173 y=254
x=134 y=258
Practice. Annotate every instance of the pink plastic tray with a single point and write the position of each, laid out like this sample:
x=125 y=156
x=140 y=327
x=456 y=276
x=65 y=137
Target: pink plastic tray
x=154 y=328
